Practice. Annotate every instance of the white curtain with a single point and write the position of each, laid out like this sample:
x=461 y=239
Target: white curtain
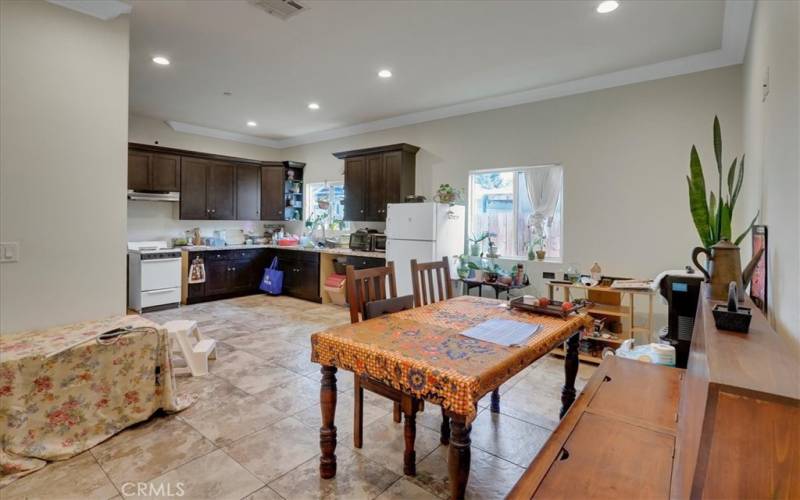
x=544 y=188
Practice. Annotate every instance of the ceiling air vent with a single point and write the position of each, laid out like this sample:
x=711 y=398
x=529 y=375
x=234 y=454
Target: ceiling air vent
x=282 y=9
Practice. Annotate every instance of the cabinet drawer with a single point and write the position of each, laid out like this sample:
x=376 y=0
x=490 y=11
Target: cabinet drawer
x=608 y=458
x=365 y=262
x=158 y=297
x=217 y=255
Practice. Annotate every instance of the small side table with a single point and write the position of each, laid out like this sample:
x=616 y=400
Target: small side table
x=469 y=284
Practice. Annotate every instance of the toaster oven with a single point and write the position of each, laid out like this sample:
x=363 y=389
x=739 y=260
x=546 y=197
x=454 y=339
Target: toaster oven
x=377 y=242
x=360 y=240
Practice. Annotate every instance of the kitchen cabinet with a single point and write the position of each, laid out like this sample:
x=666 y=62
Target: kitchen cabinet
x=355 y=182
x=221 y=181
x=374 y=177
x=207 y=190
x=153 y=172
x=272 y=197
x=219 y=187
x=248 y=192
x=238 y=272
x=193 y=204
x=300 y=274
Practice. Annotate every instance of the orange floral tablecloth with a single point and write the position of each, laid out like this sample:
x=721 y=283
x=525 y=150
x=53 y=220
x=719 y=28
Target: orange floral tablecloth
x=62 y=393
x=421 y=352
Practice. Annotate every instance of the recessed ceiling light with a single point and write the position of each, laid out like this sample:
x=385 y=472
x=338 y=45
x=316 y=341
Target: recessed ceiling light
x=251 y=123
x=313 y=105
x=607 y=6
x=385 y=73
x=163 y=61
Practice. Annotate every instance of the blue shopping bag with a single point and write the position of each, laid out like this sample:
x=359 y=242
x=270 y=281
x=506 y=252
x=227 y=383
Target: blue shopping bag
x=272 y=282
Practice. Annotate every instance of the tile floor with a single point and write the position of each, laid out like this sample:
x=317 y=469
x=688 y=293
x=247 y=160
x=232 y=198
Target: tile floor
x=253 y=432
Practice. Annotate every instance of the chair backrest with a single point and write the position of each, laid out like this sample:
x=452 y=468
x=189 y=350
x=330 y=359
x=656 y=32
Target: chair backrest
x=376 y=308
x=422 y=277
x=365 y=285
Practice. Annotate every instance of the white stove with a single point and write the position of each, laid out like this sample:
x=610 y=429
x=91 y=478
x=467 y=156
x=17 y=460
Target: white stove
x=154 y=276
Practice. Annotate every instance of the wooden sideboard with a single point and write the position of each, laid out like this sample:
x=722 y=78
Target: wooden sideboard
x=726 y=427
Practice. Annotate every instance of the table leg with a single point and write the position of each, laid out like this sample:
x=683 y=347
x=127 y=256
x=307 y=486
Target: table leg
x=410 y=434
x=459 y=457
x=571 y=363
x=444 y=437
x=327 y=433
x=495 y=407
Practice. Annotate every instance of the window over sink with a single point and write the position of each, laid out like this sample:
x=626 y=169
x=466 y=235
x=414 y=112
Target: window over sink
x=522 y=206
x=325 y=204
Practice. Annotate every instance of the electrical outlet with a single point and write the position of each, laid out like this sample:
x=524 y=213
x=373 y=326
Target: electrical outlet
x=549 y=275
x=9 y=252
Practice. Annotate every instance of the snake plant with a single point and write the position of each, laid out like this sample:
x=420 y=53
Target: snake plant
x=712 y=217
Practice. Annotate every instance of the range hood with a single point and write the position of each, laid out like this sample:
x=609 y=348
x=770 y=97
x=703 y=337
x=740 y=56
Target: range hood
x=147 y=196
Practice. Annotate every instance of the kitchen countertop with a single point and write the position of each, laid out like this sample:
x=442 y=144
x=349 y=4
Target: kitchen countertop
x=331 y=251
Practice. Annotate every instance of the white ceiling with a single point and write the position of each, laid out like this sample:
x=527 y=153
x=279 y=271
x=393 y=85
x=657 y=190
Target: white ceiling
x=448 y=57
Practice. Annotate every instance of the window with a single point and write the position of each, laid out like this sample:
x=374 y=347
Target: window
x=522 y=206
x=324 y=203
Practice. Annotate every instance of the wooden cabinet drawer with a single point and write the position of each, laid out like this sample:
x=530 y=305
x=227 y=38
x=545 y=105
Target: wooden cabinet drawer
x=365 y=262
x=608 y=458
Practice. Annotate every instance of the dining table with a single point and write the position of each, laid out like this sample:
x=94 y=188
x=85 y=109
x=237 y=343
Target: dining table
x=423 y=353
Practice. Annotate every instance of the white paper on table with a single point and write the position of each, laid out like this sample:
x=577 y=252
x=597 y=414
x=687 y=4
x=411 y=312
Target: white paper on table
x=504 y=332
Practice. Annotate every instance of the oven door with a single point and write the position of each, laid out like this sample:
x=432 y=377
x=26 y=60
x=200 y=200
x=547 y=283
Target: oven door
x=158 y=274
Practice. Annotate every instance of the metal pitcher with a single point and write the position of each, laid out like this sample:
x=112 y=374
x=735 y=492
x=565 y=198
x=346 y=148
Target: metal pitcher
x=724 y=267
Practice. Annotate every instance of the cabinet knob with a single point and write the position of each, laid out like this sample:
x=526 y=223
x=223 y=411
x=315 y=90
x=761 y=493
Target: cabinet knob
x=362 y=211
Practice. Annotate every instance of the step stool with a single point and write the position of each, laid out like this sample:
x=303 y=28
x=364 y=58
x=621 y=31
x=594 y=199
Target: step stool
x=197 y=352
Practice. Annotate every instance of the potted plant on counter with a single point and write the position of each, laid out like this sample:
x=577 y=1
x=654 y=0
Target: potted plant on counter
x=476 y=243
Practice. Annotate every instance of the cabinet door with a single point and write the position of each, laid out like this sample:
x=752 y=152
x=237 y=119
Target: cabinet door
x=248 y=192
x=218 y=277
x=354 y=188
x=193 y=189
x=139 y=170
x=272 y=201
x=374 y=193
x=392 y=179
x=165 y=173
x=240 y=275
x=221 y=191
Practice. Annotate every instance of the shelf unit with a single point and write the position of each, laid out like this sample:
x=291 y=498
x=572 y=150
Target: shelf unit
x=293 y=192
x=614 y=309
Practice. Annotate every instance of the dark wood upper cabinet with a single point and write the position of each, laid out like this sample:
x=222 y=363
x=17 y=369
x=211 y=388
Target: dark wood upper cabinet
x=272 y=197
x=374 y=199
x=374 y=177
x=165 y=173
x=221 y=191
x=153 y=172
x=139 y=170
x=217 y=187
x=248 y=192
x=193 y=203
x=355 y=188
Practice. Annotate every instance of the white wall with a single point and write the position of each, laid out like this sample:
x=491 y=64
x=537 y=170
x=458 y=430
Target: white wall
x=625 y=153
x=146 y=130
x=771 y=139
x=63 y=164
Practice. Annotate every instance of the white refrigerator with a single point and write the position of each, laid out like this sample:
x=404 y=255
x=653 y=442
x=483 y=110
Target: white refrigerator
x=422 y=231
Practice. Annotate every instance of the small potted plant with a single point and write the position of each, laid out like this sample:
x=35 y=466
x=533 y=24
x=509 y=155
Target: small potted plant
x=492 y=253
x=463 y=266
x=475 y=246
x=538 y=244
x=447 y=194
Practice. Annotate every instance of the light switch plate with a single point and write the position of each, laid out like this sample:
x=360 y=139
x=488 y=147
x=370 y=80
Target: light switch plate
x=9 y=252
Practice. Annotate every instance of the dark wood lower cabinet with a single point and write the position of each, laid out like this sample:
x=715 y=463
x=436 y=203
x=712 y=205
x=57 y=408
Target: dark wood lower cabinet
x=238 y=272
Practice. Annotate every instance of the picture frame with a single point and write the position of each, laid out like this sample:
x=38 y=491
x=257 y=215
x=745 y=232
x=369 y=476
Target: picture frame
x=758 y=284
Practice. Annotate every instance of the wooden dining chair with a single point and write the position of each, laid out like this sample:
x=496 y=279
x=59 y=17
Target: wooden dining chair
x=427 y=278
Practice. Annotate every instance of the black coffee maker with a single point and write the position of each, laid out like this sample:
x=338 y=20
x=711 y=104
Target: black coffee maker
x=681 y=293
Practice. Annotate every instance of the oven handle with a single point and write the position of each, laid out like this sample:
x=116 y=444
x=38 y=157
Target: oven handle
x=163 y=290
x=171 y=259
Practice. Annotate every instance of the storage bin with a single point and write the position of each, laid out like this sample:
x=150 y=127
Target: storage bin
x=338 y=295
